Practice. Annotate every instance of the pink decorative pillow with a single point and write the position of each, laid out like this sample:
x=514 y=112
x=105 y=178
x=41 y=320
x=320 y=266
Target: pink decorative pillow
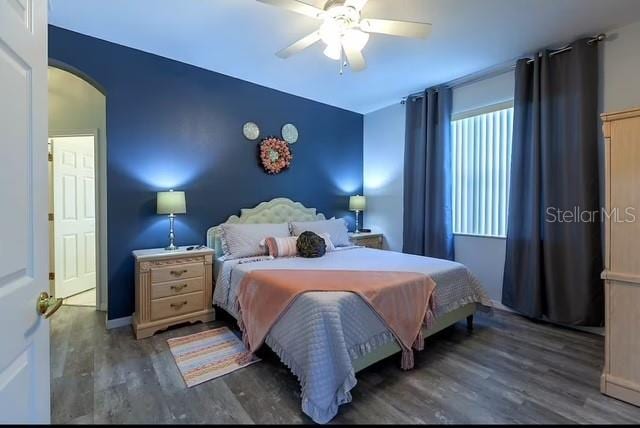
x=281 y=247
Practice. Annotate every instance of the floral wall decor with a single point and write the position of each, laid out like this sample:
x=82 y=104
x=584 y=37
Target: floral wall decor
x=275 y=155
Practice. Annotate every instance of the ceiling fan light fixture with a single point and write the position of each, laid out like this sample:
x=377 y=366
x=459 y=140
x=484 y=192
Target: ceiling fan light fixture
x=334 y=51
x=344 y=31
x=356 y=39
x=330 y=32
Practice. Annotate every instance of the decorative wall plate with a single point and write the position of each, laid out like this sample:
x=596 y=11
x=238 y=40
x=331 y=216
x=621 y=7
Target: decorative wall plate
x=251 y=131
x=290 y=133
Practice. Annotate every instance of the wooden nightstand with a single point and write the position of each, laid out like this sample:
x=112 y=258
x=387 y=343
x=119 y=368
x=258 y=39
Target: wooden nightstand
x=367 y=239
x=172 y=287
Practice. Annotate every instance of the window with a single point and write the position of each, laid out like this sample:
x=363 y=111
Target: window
x=481 y=159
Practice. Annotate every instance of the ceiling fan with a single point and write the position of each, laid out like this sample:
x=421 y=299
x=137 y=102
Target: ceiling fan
x=344 y=31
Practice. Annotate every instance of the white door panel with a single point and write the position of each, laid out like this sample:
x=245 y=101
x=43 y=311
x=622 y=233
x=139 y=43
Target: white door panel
x=89 y=207
x=74 y=214
x=90 y=247
x=68 y=189
x=69 y=259
x=24 y=335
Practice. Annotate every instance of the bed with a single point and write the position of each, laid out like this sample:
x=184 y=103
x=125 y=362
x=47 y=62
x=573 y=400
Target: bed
x=326 y=338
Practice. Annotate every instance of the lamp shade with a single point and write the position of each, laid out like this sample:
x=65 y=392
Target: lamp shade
x=357 y=203
x=171 y=203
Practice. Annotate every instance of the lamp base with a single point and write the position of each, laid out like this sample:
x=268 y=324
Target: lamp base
x=172 y=236
x=358 y=230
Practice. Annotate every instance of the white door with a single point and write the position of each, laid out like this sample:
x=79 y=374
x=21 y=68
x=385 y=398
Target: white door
x=24 y=334
x=74 y=214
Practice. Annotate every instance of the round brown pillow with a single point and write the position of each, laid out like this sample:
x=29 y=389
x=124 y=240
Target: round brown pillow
x=310 y=245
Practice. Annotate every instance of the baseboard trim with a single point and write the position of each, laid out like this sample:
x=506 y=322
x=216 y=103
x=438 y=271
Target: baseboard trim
x=502 y=307
x=119 y=322
x=593 y=330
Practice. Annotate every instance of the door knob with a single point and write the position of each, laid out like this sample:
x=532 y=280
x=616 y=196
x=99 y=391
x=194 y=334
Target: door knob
x=48 y=306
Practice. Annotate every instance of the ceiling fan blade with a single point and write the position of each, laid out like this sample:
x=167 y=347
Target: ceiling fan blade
x=296 y=6
x=356 y=4
x=355 y=58
x=300 y=45
x=396 y=28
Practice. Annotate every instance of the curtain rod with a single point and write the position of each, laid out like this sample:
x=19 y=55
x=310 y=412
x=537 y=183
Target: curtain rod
x=493 y=72
x=595 y=39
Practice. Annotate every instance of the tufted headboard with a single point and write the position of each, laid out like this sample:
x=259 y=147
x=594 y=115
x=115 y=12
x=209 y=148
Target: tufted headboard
x=278 y=210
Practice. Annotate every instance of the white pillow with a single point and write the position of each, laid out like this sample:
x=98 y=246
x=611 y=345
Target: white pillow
x=335 y=228
x=243 y=240
x=328 y=242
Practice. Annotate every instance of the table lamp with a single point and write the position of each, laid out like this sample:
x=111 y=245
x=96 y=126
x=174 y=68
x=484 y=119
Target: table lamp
x=171 y=203
x=357 y=203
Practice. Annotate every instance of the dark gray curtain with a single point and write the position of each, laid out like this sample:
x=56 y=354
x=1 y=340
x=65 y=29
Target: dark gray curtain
x=553 y=267
x=427 y=175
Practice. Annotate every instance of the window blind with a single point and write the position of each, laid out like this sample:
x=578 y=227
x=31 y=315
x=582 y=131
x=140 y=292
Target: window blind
x=481 y=160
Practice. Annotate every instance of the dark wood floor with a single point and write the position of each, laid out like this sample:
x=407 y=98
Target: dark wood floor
x=509 y=370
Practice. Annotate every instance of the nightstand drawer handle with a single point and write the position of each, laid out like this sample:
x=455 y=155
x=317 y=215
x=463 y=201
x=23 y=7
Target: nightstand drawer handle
x=178 y=287
x=178 y=272
x=178 y=305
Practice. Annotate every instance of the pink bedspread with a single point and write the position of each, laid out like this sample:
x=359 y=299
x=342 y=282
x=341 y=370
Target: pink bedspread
x=403 y=300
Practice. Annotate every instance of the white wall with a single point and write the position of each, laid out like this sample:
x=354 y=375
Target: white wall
x=384 y=141
x=485 y=258
x=494 y=90
x=74 y=105
x=383 y=156
x=620 y=69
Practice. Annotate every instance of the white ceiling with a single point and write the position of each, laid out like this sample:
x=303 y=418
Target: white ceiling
x=239 y=38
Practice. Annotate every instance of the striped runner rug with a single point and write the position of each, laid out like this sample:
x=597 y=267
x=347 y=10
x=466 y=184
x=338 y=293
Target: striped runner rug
x=210 y=354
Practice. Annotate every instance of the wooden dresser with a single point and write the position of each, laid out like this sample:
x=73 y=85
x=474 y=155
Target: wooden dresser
x=367 y=239
x=172 y=287
x=621 y=374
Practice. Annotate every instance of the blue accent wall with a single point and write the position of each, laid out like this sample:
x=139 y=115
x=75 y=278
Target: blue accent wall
x=173 y=125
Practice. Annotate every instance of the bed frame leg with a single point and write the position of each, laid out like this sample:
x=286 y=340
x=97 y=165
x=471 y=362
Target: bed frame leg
x=470 y=323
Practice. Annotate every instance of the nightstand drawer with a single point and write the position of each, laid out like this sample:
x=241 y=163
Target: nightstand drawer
x=367 y=240
x=174 y=288
x=370 y=242
x=176 y=272
x=178 y=305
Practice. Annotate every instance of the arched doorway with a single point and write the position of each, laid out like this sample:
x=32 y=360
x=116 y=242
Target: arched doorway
x=77 y=188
